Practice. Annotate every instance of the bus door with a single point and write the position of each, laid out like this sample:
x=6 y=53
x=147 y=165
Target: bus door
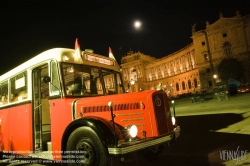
x=41 y=111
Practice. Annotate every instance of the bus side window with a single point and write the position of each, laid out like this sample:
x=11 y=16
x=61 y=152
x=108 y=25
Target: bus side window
x=54 y=77
x=22 y=95
x=13 y=92
x=4 y=93
x=18 y=85
x=4 y=99
x=112 y=81
x=13 y=97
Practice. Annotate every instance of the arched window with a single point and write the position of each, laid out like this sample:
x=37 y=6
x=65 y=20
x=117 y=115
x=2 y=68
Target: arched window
x=177 y=86
x=195 y=83
x=183 y=85
x=189 y=84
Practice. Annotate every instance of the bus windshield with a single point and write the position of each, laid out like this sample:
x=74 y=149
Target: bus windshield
x=90 y=81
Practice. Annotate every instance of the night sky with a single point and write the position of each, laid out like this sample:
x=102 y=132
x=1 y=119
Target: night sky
x=31 y=27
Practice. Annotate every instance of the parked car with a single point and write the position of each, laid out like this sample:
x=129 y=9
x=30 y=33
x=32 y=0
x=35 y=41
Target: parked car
x=198 y=97
x=243 y=88
x=221 y=91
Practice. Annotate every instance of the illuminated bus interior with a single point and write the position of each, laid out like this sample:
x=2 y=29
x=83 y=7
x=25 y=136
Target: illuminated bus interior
x=41 y=108
x=86 y=80
x=18 y=89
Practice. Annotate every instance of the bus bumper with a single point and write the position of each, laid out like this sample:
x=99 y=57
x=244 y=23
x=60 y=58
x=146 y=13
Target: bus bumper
x=144 y=143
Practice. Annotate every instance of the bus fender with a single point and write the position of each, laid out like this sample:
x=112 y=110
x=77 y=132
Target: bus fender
x=102 y=127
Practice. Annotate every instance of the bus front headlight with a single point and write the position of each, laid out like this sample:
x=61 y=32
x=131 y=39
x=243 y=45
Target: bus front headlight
x=132 y=130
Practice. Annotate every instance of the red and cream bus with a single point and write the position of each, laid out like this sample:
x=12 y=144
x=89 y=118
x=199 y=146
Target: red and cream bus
x=70 y=106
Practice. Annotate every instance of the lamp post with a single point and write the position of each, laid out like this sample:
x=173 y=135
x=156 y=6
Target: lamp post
x=132 y=82
x=208 y=50
x=171 y=90
x=173 y=107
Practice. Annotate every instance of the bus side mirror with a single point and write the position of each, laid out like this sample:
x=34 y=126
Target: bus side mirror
x=46 y=79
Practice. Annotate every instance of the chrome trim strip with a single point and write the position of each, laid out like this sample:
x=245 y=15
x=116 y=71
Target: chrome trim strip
x=134 y=119
x=141 y=124
x=130 y=114
x=73 y=109
x=147 y=143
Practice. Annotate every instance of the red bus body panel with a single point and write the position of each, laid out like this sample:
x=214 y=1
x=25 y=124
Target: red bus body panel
x=17 y=129
x=61 y=116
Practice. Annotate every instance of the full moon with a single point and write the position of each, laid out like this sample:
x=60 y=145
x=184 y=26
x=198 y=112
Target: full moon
x=137 y=24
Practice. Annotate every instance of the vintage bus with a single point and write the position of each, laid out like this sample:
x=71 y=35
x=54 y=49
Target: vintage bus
x=70 y=106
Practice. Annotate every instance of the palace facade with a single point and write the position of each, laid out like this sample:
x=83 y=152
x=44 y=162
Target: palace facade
x=194 y=67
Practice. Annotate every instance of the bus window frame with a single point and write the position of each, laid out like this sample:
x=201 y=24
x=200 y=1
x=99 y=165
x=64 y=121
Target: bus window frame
x=9 y=82
x=101 y=74
x=58 y=92
x=62 y=75
x=26 y=87
x=5 y=83
x=115 y=83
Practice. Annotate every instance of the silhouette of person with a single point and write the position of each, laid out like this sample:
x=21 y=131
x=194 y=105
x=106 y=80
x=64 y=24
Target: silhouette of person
x=74 y=87
x=93 y=89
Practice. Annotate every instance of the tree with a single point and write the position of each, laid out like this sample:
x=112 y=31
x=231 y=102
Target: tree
x=230 y=68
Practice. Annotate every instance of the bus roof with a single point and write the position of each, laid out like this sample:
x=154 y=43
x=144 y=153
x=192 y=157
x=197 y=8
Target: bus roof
x=64 y=55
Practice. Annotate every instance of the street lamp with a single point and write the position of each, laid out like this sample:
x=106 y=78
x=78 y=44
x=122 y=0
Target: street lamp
x=132 y=82
x=215 y=80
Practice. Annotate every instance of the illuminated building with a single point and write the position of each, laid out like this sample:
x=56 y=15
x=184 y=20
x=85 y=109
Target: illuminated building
x=194 y=67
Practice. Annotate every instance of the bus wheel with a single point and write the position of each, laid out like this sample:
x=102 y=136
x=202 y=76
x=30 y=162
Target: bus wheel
x=86 y=148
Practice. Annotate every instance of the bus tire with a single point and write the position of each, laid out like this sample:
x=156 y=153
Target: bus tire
x=91 y=150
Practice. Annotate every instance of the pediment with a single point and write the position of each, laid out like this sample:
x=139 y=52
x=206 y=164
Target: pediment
x=224 y=23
